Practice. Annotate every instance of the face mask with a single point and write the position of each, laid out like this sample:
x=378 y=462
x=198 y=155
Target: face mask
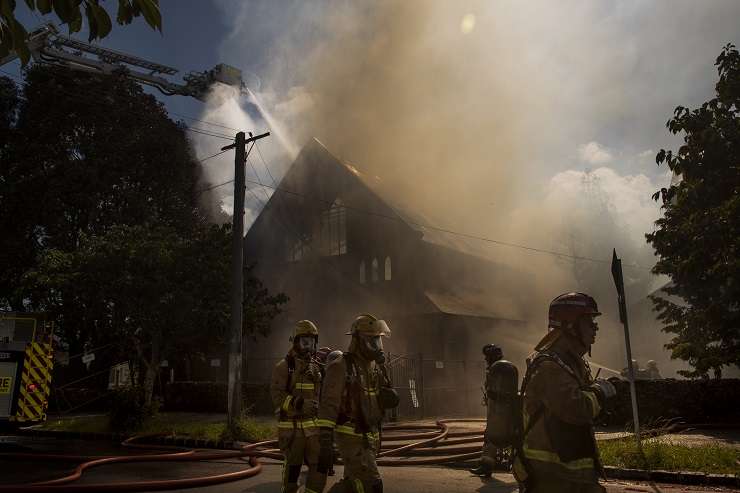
x=373 y=348
x=306 y=345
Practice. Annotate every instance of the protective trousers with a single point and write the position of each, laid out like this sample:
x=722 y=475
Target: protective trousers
x=297 y=450
x=360 y=469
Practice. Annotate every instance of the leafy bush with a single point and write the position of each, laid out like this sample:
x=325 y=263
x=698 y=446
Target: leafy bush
x=129 y=412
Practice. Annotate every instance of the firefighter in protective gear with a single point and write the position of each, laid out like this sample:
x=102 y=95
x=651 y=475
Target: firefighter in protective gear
x=295 y=386
x=560 y=403
x=492 y=354
x=352 y=408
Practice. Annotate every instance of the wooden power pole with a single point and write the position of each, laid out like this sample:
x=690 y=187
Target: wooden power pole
x=234 y=406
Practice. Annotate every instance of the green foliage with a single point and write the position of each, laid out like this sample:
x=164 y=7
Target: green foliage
x=666 y=455
x=698 y=237
x=248 y=429
x=70 y=12
x=201 y=426
x=101 y=225
x=129 y=410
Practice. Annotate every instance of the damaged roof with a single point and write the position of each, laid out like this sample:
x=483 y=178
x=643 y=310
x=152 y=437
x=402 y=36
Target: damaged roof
x=405 y=211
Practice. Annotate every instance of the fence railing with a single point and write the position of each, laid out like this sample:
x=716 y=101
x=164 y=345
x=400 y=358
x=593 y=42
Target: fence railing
x=426 y=387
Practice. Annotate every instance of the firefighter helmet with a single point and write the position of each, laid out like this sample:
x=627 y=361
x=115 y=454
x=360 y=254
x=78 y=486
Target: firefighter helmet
x=492 y=352
x=305 y=328
x=368 y=325
x=566 y=309
x=563 y=315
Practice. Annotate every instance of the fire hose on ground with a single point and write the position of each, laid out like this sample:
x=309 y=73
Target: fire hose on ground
x=402 y=445
x=87 y=462
x=422 y=438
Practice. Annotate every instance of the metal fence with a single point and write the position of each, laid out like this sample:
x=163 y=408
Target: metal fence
x=426 y=387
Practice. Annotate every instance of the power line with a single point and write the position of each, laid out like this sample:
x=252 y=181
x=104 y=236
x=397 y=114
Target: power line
x=204 y=121
x=201 y=132
x=426 y=226
x=213 y=156
x=264 y=163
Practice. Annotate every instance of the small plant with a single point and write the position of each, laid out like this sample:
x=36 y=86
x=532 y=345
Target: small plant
x=247 y=429
x=129 y=412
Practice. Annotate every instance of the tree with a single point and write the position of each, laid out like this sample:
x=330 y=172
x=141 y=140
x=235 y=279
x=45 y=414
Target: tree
x=85 y=152
x=698 y=237
x=101 y=225
x=152 y=291
x=13 y=34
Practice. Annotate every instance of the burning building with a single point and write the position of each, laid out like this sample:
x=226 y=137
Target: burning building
x=337 y=245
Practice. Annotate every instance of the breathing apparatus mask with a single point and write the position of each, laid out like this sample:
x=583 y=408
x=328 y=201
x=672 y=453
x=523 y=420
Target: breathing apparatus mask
x=305 y=346
x=371 y=347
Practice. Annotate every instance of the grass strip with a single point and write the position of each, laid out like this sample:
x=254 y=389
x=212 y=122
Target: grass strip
x=185 y=424
x=662 y=454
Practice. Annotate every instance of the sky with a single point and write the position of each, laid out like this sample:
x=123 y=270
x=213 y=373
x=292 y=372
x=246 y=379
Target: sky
x=533 y=122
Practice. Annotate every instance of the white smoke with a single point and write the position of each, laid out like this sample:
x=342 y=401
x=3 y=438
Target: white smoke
x=594 y=153
x=225 y=107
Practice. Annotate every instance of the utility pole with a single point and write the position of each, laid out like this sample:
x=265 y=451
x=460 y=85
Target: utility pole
x=234 y=407
x=619 y=283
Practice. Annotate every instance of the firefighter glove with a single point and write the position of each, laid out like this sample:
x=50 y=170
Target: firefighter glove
x=326 y=449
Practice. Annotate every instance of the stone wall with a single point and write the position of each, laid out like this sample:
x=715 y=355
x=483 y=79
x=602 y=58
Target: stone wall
x=694 y=401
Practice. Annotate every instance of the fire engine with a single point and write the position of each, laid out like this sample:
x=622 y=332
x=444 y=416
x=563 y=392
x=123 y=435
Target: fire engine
x=26 y=362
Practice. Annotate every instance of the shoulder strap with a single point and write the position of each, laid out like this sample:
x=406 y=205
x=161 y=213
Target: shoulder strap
x=538 y=359
x=290 y=359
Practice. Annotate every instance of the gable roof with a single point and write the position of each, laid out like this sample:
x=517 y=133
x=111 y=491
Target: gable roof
x=315 y=154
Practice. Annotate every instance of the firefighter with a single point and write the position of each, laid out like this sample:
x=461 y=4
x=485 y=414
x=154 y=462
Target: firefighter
x=492 y=354
x=651 y=371
x=355 y=394
x=560 y=403
x=295 y=386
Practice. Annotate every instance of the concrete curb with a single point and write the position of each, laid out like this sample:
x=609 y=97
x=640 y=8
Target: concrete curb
x=676 y=477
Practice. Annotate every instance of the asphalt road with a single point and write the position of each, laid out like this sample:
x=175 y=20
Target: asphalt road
x=396 y=479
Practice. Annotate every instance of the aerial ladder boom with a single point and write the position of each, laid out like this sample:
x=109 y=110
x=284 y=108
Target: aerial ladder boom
x=48 y=45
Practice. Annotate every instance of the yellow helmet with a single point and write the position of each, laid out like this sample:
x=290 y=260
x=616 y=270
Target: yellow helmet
x=369 y=325
x=305 y=328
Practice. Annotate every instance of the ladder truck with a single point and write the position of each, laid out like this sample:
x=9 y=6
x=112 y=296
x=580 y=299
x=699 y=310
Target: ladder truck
x=49 y=46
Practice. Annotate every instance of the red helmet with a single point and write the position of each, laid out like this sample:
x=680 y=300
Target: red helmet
x=567 y=308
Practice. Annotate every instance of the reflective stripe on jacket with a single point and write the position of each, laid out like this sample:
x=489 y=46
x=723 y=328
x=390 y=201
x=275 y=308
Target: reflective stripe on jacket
x=305 y=382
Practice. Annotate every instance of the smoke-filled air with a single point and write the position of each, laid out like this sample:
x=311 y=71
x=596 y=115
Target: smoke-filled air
x=535 y=125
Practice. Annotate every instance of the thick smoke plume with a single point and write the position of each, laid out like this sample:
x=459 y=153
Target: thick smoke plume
x=532 y=123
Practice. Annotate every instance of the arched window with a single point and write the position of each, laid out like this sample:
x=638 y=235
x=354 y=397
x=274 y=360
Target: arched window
x=362 y=272
x=388 y=273
x=375 y=270
x=334 y=229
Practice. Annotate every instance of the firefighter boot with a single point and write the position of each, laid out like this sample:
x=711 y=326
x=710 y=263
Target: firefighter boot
x=483 y=470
